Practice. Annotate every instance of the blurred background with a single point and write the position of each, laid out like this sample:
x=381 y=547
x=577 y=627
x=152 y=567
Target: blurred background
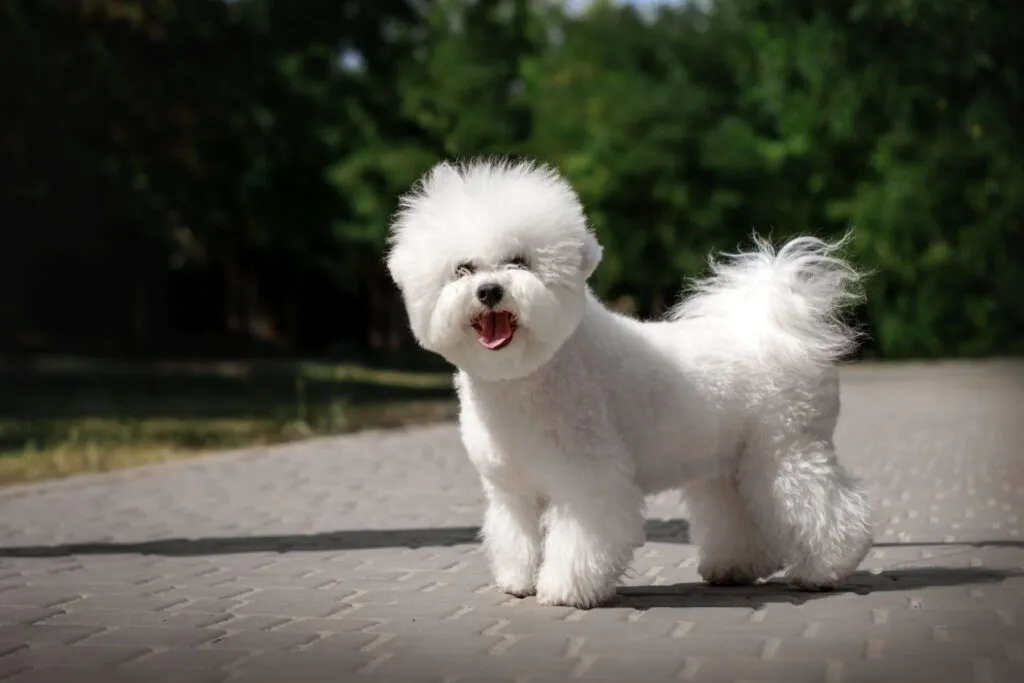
x=196 y=193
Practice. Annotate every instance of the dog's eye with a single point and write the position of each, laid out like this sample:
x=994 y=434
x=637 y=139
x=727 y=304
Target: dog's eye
x=518 y=262
x=464 y=269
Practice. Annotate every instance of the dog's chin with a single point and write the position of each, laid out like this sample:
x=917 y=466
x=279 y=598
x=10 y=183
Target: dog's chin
x=507 y=357
x=493 y=357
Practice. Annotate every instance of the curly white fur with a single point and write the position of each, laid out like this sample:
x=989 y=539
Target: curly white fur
x=733 y=398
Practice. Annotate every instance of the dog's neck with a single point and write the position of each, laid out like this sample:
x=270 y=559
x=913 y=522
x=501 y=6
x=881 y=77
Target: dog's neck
x=525 y=382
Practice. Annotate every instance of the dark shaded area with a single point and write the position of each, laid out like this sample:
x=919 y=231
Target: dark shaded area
x=755 y=597
x=203 y=397
x=636 y=597
x=193 y=405
x=657 y=531
x=356 y=539
x=203 y=178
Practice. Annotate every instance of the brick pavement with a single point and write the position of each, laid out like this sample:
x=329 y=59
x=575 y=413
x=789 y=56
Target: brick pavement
x=354 y=559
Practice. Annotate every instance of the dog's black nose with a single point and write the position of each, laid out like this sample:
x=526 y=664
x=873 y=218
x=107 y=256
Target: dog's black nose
x=489 y=294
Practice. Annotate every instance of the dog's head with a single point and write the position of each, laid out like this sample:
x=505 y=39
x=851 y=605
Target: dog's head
x=492 y=260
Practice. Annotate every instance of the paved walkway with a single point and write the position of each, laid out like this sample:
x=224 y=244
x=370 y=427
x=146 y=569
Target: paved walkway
x=355 y=559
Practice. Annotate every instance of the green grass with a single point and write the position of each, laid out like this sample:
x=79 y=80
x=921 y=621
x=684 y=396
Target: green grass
x=67 y=416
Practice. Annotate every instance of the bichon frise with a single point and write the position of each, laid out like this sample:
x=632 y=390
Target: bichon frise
x=573 y=413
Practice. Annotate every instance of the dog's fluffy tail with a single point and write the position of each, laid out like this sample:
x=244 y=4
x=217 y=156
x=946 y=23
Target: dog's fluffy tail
x=783 y=306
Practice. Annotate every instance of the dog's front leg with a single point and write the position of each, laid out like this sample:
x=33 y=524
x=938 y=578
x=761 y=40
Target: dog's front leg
x=512 y=539
x=593 y=524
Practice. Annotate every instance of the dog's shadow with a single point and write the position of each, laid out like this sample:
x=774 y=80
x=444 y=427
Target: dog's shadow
x=775 y=592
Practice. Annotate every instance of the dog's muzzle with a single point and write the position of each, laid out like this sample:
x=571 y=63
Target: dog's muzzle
x=490 y=294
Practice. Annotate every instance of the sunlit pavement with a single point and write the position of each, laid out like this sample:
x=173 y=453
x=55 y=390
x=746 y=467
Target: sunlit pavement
x=355 y=559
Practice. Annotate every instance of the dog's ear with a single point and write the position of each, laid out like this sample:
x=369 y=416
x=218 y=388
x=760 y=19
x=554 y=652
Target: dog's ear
x=592 y=252
x=397 y=264
x=442 y=173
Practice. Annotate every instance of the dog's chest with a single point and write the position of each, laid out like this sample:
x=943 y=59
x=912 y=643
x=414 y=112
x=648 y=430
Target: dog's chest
x=512 y=438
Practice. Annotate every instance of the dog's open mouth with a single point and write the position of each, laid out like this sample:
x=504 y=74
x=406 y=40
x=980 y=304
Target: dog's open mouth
x=495 y=329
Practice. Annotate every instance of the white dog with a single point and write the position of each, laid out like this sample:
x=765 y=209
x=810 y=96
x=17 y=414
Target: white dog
x=572 y=413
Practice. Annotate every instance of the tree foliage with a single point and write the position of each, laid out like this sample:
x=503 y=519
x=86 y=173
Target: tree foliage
x=201 y=176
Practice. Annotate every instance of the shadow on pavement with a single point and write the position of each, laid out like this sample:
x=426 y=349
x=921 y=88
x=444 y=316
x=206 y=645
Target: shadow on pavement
x=635 y=597
x=658 y=531
x=668 y=531
x=775 y=592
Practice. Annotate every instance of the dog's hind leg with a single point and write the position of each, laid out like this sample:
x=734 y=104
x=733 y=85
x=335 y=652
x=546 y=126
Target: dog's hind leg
x=732 y=550
x=806 y=503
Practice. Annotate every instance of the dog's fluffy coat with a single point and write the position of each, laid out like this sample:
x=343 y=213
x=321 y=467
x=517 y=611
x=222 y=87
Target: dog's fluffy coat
x=583 y=412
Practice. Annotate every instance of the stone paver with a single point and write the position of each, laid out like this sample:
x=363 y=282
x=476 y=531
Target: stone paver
x=355 y=559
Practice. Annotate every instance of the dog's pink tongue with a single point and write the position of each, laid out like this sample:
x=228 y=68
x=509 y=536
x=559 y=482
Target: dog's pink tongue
x=495 y=329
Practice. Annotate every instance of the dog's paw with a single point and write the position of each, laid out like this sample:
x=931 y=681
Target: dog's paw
x=728 y=576
x=569 y=594
x=519 y=584
x=744 y=574
x=519 y=590
x=576 y=601
x=813 y=579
